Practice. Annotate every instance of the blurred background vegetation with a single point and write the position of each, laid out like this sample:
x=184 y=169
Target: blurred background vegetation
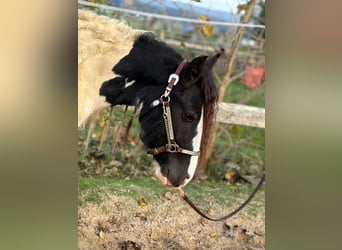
x=102 y=148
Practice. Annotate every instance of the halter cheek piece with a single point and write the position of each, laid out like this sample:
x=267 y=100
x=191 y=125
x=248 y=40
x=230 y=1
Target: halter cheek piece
x=171 y=146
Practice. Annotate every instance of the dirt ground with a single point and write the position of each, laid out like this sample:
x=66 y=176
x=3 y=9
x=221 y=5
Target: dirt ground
x=166 y=222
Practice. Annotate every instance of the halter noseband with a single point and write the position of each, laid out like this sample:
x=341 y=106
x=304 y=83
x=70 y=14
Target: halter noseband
x=171 y=146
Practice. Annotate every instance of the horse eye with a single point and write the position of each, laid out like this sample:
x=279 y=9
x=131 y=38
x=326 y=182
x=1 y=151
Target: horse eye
x=188 y=117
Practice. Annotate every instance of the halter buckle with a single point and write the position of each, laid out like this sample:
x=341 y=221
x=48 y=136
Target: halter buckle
x=174 y=76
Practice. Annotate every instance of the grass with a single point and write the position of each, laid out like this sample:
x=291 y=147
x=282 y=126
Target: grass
x=94 y=190
x=236 y=92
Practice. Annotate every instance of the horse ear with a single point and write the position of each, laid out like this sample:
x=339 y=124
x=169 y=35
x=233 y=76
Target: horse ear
x=193 y=70
x=211 y=61
x=196 y=65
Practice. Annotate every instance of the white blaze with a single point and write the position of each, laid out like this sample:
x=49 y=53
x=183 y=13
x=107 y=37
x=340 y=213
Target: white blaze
x=196 y=144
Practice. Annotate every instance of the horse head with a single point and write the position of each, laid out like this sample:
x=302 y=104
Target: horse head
x=142 y=78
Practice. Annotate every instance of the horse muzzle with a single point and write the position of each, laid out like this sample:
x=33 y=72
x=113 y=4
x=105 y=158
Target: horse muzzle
x=174 y=182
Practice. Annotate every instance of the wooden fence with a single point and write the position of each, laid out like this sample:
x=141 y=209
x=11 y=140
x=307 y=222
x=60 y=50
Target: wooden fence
x=239 y=114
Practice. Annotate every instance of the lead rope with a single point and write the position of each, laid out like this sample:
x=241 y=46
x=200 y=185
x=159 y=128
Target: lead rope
x=186 y=198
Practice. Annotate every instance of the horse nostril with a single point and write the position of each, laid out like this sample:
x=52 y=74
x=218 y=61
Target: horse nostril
x=176 y=183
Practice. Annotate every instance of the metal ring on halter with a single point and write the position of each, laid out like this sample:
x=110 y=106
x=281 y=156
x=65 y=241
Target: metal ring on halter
x=171 y=148
x=165 y=98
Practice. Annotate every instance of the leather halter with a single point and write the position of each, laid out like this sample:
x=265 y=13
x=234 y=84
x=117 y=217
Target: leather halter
x=171 y=146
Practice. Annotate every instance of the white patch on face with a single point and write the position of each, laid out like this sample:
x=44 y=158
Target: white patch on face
x=196 y=144
x=158 y=173
x=127 y=84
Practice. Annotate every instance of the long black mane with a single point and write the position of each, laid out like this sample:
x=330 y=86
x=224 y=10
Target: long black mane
x=150 y=60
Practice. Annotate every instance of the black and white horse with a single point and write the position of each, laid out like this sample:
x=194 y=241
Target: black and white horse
x=176 y=100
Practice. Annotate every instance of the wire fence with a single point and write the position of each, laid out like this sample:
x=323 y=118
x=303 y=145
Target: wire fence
x=166 y=17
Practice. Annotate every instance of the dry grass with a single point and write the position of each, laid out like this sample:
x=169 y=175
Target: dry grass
x=118 y=221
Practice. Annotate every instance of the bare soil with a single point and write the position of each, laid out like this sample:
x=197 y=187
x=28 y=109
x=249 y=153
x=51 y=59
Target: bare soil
x=167 y=222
